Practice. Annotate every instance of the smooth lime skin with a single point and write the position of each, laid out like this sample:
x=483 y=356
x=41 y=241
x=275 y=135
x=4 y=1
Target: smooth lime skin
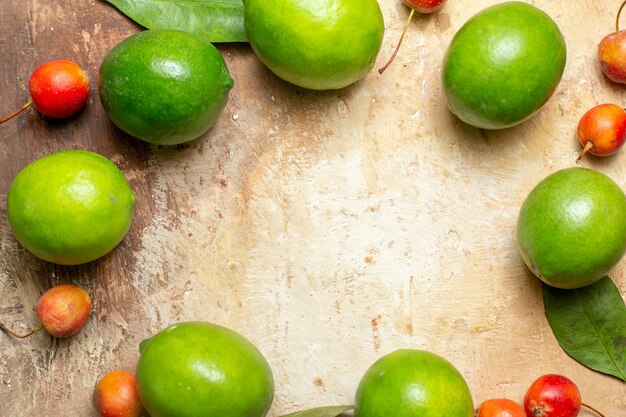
x=199 y=369
x=503 y=65
x=413 y=383
x=70 y=207
x=571 y=228
x=165 y=87
x=315 y=44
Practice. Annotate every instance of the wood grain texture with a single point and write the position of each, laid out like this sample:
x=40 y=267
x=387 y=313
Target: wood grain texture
x=327 y=227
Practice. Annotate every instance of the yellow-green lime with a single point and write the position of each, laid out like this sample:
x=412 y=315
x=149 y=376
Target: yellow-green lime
x=316 y=44
x=571 y=228
x=200 y=369
x=70 y=207
x=503 y=65
x=163 y=86
x=413 y=383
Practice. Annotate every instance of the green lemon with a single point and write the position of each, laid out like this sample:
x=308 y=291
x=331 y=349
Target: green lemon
x=165 y=87
x=413 y=383
x=571 y=228
x=199 y=369
x=316 y=44
x=503 y=65
x=70 y=207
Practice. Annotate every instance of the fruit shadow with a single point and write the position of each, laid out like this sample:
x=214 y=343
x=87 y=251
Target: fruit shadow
x=595 y=162
x=494 y=139
x=123 y=139
x=299 y=98
x=531 y=279
x=307 y=97
x=55 y=126
x=148 y=150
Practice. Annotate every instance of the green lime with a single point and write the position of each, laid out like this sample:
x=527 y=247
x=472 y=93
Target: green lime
x=571 y=228
x=413 y=383
x=70 y=207
x=503 y=65
x=199 y=369
x=164 y=86
x=316 y=44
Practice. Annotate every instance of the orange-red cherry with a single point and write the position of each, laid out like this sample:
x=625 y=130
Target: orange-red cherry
x=499 y=407
x=602 y=130
x=612 y=52
x=115 y=395
x=64 y=309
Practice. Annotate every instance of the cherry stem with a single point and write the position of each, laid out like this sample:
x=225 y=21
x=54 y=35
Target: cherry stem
x=20 y=336
x=406 y=27
x=619 y=12
x=592 y=409
x=21 y=109
x=587 y=148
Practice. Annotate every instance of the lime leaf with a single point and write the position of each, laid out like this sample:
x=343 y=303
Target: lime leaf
x=212 y=20
x=590 y=325
x=330 y=411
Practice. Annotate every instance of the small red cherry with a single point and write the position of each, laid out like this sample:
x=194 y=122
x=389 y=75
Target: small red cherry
x=554 y=395
x=420 y=6
x=116 y=395
x=62 y=311
x=425 y=6
x=612 y=52
x=58 y=89
x=499 y=407
x=602 y=130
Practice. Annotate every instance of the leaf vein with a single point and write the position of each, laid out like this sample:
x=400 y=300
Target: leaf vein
x=602 y=341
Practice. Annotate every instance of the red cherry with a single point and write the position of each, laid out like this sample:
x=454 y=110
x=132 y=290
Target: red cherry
x=58 y=89
x=602 y=130
x=425 y=6
x=116 y=395
x=499 y=407
x=554 y=395
x=62 y=310
x=421 y=6
x=612 y=53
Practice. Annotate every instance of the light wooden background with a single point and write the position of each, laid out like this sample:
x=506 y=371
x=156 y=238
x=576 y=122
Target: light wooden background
x=329 y=228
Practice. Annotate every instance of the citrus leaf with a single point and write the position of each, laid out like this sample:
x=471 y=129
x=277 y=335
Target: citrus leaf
x=212 y=20
x=590 y=325
x=330 y=411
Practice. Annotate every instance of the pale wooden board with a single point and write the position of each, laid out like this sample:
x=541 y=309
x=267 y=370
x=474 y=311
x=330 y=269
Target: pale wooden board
x=329 y=228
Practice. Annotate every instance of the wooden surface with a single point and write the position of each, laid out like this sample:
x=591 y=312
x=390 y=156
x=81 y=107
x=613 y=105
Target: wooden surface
x=329 y=228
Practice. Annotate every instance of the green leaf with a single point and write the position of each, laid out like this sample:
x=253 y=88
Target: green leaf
x=212 y=20
x=590 y=325
x=331 y=411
